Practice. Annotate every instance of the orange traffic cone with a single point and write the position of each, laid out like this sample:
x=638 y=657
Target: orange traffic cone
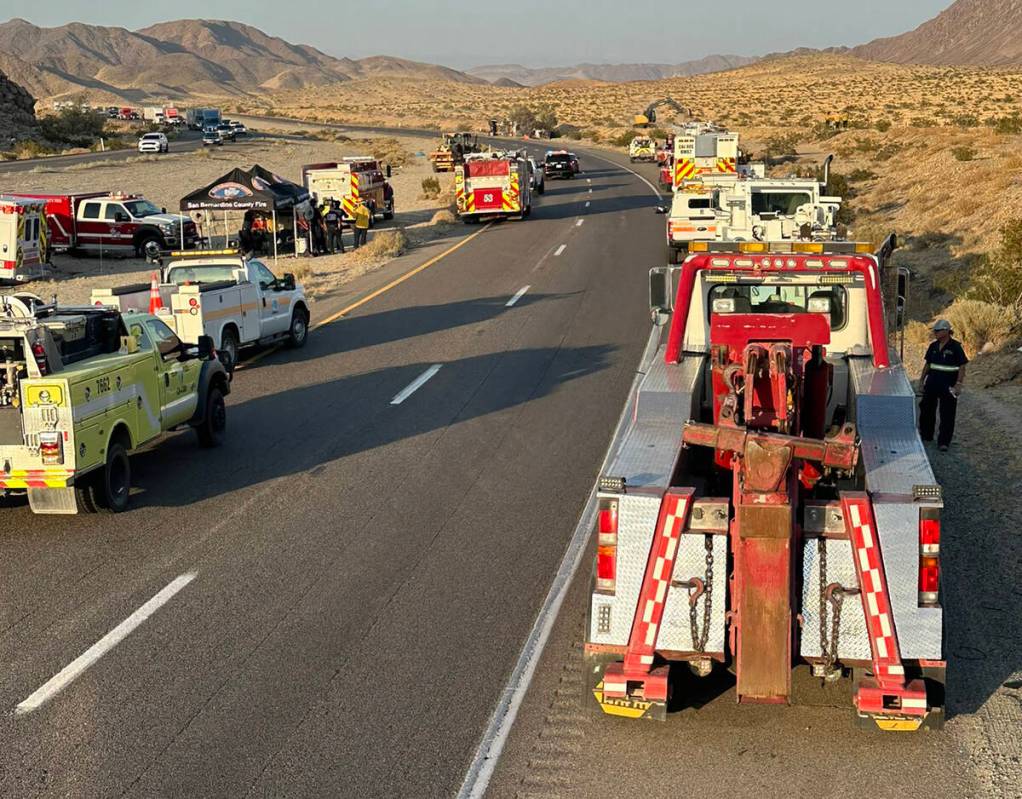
x=155 y=300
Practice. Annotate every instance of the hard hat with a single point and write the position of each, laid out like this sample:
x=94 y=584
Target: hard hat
x=942 y=324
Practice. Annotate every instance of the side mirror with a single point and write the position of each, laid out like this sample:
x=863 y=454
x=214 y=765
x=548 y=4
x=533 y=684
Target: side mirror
x=661 y=209
x=660 y=285
x=163 y=210
x=388 y=170
x=205 y=348
x=120 y=216
x=287 y=282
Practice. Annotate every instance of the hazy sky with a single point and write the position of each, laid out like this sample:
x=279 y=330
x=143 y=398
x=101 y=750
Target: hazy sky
x=533 y=32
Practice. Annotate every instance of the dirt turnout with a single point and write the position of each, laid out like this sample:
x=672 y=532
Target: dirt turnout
x=166 y=179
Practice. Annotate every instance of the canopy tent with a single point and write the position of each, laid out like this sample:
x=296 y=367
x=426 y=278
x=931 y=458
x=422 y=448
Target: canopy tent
x=256 y=189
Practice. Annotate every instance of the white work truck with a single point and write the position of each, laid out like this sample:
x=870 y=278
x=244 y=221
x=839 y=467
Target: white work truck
x=237 y=302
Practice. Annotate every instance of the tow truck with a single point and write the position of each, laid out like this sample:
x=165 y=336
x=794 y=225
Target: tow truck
x=82 y=388
x=236 y=301
x=768 y=505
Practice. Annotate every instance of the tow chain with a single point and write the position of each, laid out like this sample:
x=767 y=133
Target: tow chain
x=699 y=639
x=832 y=594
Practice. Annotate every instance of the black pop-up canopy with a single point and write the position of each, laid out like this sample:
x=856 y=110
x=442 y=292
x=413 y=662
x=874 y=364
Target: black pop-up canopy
x=256 y=189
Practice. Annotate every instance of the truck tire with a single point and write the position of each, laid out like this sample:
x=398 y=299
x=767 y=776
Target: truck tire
x=147 y=241
x=85 y=493
x=298 y=333
x=111 y=485
x=228 y=352
x=541 y=188
x=214 y=422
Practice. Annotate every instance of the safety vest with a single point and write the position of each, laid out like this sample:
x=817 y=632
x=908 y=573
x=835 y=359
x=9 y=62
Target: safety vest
x=362 y=217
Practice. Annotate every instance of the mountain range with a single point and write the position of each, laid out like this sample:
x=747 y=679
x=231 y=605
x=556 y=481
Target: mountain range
x=611 y=73
x=969 y=32
x=180 y=59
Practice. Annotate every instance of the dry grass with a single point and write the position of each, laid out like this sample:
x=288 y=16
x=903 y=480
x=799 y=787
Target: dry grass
x=443 y=217
x=383 y=244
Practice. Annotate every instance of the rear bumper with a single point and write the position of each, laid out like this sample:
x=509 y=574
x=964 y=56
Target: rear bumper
x=20 y=479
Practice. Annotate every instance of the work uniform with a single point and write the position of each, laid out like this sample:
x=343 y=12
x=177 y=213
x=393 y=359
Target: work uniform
x=361 y=224
x=944 y=367
x=334 y=229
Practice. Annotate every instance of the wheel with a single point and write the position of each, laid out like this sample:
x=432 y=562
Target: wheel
x=541 y=188
x=149 y=246
x=112 y=487
x=298 y=333
x=85 y=493
x=214 y=422
x=389 y=214
x=229 y=350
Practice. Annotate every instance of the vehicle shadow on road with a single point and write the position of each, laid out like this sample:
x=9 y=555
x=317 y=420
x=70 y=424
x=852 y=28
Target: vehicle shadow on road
x=605 y=205
x=299 y=432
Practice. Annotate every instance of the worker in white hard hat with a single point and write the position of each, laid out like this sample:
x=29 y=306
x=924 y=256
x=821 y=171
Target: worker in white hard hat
x=943 y=379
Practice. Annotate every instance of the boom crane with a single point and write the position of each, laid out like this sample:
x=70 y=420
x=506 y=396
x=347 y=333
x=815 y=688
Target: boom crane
x=648 y=117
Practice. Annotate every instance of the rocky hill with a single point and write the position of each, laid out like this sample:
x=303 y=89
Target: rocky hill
x=17 y=111
x=969 y=32
x=608 y=73
x=180 y=59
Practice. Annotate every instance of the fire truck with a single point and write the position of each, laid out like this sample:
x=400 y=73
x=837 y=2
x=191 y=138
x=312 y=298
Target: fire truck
x=117 y=224
x=702 y=149
x=24 y=248
x=748 y=207
x=768 y=505
x=492 y=186
x=347 y=181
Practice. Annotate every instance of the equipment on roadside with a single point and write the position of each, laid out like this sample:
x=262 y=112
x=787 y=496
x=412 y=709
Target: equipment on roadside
x=81 y=388
x=452 y=150
x=493 y=186
x=649 y=116
x=24 y=239
x=769 y=506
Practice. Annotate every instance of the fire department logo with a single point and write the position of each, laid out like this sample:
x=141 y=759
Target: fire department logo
x=229 y=191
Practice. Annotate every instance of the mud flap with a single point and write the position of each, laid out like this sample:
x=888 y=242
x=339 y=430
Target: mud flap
x=53 y=500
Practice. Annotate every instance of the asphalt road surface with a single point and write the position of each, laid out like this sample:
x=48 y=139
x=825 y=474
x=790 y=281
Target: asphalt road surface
x=331 y=603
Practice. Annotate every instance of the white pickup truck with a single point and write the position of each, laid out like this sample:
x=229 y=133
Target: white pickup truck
x=237 y=302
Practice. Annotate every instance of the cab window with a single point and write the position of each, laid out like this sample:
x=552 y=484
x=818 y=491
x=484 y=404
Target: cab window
x=166 y=340
x=112 y=210
x=90 y=211
x=785 y=203
x=778 y=299
x=700 y=203
x=264 y=277
x=137 y=329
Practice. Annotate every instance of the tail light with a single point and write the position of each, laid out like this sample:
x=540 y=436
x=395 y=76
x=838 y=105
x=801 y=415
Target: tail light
x=51 y=448
x=39 y=352
x=606 y=546
x=929 y=559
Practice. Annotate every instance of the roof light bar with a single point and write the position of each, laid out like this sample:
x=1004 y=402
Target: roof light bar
x=784 y=247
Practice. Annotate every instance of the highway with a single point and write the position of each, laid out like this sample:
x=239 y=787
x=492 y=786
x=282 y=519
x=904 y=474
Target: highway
x=331 y=604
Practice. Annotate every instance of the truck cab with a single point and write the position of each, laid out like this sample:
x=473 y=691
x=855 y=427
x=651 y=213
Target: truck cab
x=81 y=388
x=767 y=508
x=642 y=148
x=129 y=224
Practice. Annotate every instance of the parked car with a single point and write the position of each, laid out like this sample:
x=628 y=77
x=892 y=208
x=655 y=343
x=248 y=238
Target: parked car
x=226 y=131
x=238 y=128
x=154 y=143
x=537 y=178
x=211 y=136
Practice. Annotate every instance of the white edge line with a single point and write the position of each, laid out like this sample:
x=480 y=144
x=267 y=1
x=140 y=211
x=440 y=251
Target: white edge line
x=579 y=223
x=652 y=188
x=560 y=249
x=587 y=203
x=416 y=384
x=477 y=778
x=79 y=665
x=520 y=293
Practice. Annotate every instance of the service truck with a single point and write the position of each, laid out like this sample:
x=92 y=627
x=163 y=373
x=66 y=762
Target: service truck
x=351 y=179
x=767 y=505
x=452 y=149
x=235 y=301
x=202 y=118
x=116 y=224
x=24 y=239
x=739 y=208
x=642 y=148
x=154 y=113
x=702 y=149
x=82 y=388
x=493 y=186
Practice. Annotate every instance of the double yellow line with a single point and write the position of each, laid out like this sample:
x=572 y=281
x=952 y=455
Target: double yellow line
x=382 y=290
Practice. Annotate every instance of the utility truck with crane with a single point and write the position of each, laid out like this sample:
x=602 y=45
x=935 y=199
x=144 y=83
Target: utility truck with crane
x=452 y=150
x=768 y=506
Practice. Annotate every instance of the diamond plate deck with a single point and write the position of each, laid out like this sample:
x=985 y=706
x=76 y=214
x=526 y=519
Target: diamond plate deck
x=853 y=640
x=676 y=629
x=637 y=519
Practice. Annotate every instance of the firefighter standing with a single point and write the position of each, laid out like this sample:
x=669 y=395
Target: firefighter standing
x=361 y=223
x=334 y=220
x=943 y=377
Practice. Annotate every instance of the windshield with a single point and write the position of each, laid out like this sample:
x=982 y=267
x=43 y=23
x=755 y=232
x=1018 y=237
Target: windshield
x=152 y=136
x=198 y=273
x=140 y=208
x=788 y=299
x=779 y=202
